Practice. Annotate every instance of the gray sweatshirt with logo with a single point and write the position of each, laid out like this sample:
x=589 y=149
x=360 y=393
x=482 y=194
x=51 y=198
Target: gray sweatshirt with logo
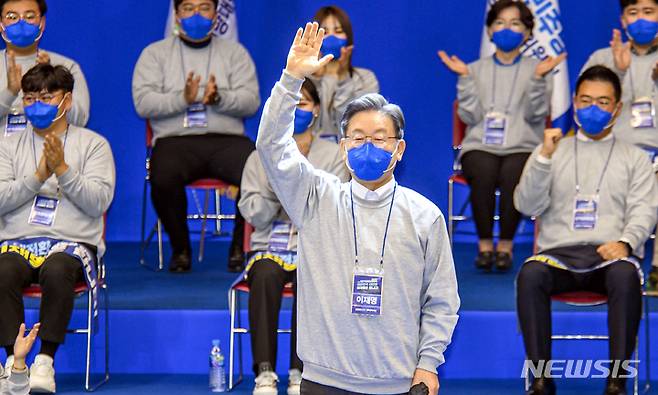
x=636 y=83
x=258 y=202
x=527 y=103
x=9 y=103
x=628 y=199
x=420 y=301
x=159 y=82
x=86 y=189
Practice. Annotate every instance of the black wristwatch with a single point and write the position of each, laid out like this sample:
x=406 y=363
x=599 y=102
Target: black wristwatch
x=629 y=249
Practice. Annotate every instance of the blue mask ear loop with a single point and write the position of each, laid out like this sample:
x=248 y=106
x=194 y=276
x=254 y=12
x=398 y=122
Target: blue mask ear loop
x=57 y=118
x=4 y=36
x=347 y=162
x=613 y=120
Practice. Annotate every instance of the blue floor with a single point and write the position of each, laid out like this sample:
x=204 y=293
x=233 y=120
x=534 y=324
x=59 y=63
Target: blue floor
x=197 y=384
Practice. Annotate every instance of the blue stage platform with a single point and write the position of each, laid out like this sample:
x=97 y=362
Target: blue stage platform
x=161 y=326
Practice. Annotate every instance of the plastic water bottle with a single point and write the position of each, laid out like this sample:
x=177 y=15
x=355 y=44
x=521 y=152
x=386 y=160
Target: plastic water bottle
x=217 y=372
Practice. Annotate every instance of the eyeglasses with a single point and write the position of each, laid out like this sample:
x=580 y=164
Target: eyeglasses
x=514 y=24
x=586 y=101
x=29 y=17
x=44 y=97
x=378 y=140
x=189 y=9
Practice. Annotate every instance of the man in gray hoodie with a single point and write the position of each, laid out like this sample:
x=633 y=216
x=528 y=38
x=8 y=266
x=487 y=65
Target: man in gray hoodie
x=377 y=292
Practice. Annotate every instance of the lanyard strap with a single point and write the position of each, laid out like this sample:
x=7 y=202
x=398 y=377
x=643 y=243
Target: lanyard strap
x=182 y=60
x=493 y=86
x=605 y=167
x=388 y=221
x=34 y=152
x=630 y=79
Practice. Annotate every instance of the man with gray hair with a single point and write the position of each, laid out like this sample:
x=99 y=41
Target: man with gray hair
x=377 y=293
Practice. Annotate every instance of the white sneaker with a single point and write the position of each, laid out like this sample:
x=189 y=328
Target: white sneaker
x=9 y=365
x=266 y=383
x=294 y=381
x=42 y=375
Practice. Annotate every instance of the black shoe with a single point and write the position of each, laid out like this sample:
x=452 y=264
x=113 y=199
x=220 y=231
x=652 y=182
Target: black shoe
x=615 y=387
x=542 y=386
x=653 y=278
x=236 y=263
x=484 y=260
x=503 y=261
x=180 y=263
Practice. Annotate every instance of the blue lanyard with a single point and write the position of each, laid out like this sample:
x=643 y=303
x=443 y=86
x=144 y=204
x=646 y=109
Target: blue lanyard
x=605 y=167
x=388 y=221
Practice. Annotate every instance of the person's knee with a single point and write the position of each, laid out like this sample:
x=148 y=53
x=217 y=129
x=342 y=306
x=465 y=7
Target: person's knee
x=263 y=272
x=623 y=277
x=533 y=275
x=58 y=269
x=10 y=271
x=166 y=178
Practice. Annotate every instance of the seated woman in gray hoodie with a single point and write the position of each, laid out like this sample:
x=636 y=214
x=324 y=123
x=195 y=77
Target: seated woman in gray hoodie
x=273 y=259
x=357 y=241
x=504 y=100
x=15 y=380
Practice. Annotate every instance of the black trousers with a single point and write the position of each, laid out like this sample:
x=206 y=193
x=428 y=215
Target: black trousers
x=536 y=283
x=57 y=277
x=266 y=281
x=311 y=388
x=178 y=161
x=484 y=173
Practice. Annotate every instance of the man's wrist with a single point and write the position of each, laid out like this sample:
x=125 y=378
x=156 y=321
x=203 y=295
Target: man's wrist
x=19 y=364
x=629 y=248
x=61 y=169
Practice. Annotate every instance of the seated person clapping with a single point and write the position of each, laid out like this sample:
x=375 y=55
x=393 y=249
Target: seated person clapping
x=56 y=182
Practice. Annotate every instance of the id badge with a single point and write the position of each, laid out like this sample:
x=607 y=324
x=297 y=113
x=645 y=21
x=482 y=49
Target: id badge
x=16 y=122
x=44 y=211
x=196 y=116
x=495 y=126
x=367 y=291
x=280 y=236
x=585 y=212
x=643 y=113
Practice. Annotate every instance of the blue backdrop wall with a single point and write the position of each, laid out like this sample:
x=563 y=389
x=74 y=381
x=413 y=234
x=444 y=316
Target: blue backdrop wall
x=396 y=39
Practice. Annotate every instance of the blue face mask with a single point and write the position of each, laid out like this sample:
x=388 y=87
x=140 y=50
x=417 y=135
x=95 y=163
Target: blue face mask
x=507 y=40
x=303 y=120
x=332 y=45
x=368 y=162
x=643 y=31
x=593 y=120
x=196 y=26
x=42 y=115
x=22 y=34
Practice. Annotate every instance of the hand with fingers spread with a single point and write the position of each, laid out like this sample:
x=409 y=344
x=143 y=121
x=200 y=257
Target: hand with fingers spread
x=454 y=63
x=621 y=52
x=551 y=138
x=53 y=150
x=303 y=58
x=547 y=65
x=14 y=73
x=43 y=57
x=211 y=94
x=23 y=345
x=192 y=84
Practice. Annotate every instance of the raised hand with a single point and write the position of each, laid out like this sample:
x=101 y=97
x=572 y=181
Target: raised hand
x=621 y=52
x=43 y=57
x=43 y=172
x=551 y=138
x=454 y=63
x=305 y=50
x=14 y=73
x=192 y=87
x=53 y=150
x=23 y=345
x=547 y=65
x=211 y=94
